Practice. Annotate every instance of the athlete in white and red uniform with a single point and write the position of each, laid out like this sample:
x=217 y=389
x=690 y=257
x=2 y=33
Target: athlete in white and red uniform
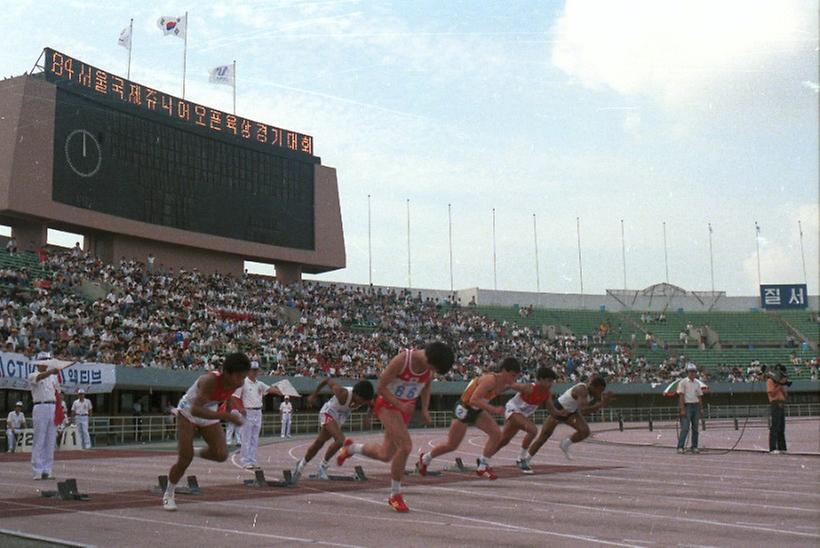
x=199 y=409
x=406 y=378
x=519 y=409
x=332 y=416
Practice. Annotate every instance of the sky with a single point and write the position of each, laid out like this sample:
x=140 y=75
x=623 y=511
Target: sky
x=557 y=115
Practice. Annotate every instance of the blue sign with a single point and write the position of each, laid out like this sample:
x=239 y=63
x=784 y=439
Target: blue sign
x=784 y=297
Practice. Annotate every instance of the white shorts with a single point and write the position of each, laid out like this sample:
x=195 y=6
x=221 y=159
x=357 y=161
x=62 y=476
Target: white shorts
x=325 y=417
x=510 y=410
x=197 y=421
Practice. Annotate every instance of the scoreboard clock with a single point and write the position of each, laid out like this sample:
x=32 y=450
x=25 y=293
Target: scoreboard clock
x=124 y=159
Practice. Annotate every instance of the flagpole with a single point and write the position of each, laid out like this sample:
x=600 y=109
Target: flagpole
x=665 y=252
x=802 y=254
x=711 y=259
x=369 y=245
x=495 y=267
x=757 y=245
x=409 y=278
x=185 y=55
x=234 y=92
x=130 y=46
x=535 y=238
x=623 y=250
x=580 y=265
x=450 y=230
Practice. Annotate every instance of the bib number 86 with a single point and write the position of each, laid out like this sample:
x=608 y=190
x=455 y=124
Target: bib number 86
x=403 y=391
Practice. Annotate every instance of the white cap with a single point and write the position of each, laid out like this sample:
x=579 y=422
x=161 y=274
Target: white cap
x=43 y=356
x=287 y=397
x=80 y=391
x=254 y=365
x=691 y=367
x=19 y=403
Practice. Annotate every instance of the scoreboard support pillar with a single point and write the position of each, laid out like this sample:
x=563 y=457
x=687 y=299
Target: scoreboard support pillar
x=288 y=273
x=30 y=236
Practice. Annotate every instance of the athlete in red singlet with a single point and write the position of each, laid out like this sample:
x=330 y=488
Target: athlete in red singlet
x=406 y=378
x=199 y=409
x=520 y=408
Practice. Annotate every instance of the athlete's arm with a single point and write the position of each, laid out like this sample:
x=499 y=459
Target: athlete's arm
x=552 y=410
x=480 y=396
x=425 y=403
x=522 y=388
x=205 y=385
x=391 y=372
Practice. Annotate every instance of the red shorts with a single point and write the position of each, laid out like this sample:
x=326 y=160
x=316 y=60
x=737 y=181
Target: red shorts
x=381 y=404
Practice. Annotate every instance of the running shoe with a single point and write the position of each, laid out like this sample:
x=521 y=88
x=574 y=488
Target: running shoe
x=344 y=454
x=297 y=472
x=486 y=473
x=524 y=465
x=168 y=503
x=564 y=445
x=396 y=502
x=695 y=450
x=420 y=466
x=322 y=475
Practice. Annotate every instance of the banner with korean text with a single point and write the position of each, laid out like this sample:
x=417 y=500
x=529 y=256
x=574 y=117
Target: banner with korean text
x=94 y=378
x=782 y=296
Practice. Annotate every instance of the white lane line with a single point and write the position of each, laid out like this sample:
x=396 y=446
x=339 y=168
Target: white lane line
x=630 y=512
x=199 y=527
x=495 y=524
x=290 y=451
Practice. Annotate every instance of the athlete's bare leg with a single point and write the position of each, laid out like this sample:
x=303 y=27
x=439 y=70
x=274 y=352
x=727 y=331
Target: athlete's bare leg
x=396 y=446
x=317 y=444
x=185 y=449
x=581 y=429
x=512 y=426
x=454 y=438
x=487 y=424
x=543 y=435
x=214 y=436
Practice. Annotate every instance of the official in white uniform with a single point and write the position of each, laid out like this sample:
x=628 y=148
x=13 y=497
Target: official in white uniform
x=81 y=413
x=252 y=393
x=44 y=387
x=286 y=410
x=15 y=422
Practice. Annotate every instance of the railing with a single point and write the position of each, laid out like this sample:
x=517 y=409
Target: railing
x=156 y=428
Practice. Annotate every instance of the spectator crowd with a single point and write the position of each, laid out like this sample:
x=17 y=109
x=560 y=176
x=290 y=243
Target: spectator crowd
x=146 y=316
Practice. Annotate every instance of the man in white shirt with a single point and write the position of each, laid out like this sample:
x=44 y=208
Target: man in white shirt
x=690 y=394
x=15 y=422
x=251 y=394
x=44 y=388
x=286 y=410
x=81 y=414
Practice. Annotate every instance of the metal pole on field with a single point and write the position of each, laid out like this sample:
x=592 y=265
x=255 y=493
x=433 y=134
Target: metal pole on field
x=757 y=245
x=623 y=250
x=535 y=238
x=665 y=252
x=711 y=259
x=495 y=269
x=369 y=245
x=802 y=254
x=450 y=229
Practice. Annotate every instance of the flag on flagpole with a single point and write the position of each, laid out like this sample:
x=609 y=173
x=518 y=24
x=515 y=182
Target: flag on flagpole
x=125 y=38
x=222 y=75
x=175 y=26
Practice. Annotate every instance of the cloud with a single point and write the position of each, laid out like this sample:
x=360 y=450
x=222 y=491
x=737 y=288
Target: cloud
x=678 y=51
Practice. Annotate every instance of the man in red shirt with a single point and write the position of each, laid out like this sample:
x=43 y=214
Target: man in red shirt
x=776 y=391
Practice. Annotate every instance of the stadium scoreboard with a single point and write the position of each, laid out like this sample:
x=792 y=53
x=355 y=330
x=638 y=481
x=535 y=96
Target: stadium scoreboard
x=128 y=150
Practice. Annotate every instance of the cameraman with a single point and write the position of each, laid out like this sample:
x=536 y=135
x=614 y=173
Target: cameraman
x=776 y=382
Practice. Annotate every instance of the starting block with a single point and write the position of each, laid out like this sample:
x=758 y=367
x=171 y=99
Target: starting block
x=415 y=472
x=358 y=475
x=462 y=467
x=192 y=488
x=260 y=481
x=66 y=490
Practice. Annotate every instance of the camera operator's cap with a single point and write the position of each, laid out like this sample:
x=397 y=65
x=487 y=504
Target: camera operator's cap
x=691 y=367
x=18 y=404
x=254 y=365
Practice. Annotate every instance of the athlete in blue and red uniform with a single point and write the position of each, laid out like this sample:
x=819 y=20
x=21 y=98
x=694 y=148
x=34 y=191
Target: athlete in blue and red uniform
x=406 y=378
x=199 y=409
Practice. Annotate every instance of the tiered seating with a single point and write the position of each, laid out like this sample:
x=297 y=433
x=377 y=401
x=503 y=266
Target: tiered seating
x=801 y=320
x=581 y=322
